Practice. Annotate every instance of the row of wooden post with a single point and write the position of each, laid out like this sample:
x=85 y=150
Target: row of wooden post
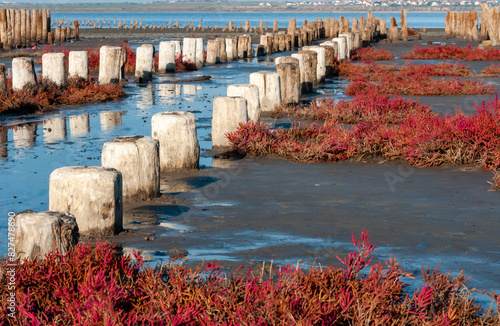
x=22 y=27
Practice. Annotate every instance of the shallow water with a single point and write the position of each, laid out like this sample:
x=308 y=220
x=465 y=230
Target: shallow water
x=32 y=146
x=415 y=19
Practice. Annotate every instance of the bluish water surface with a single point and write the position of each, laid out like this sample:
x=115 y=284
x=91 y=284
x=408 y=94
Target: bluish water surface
x=415 y=20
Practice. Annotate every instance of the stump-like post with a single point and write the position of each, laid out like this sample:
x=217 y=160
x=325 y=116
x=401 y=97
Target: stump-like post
x=176 y=132
x=230 y=49
x=93 y=194
x=313 y=62
x=321 y=62
x=213 y=49
x=54 y=68
x=78 y=64
x=144 y=64
x=23 y=73
x=3 y=82
x=37 y=234
x=110 y=65
x=289 y=81
x=305 y=67
x=166 y=57
x=269 y=89
x=189 y=50
x=251 y=94
x=137 y=158
x=228 y=113
x=200 y=53
x=404 y=26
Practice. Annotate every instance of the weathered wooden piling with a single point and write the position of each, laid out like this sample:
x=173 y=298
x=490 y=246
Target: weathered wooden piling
x=54 y=68
x=404 y=26
x=228 y=113
x=137 y=158
x=37 y=234
x=92 y=194
x=321 y=62
x=166 y=57
x=23 y=73
x=176 y=132
x=189 y=50
x=110 y=64
x=144 y=64
x=269 y=90
x=305 y=67
x=3 y=82
x=213 y=52
x=230 y=49
x=289 y=82
x=313 y=62
x=200 y=53
x=251 y=94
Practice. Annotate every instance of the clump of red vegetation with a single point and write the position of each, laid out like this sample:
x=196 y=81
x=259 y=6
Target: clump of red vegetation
x=492 y=70
x=410 y=80
x=420 y=139
x=45 y=95
x=362 y=108
x=467 y=53
x=371 y=54
x=98 y=287
x=495 y=181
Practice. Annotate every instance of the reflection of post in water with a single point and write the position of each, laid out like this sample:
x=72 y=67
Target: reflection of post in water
x=189 y=89
x=24 y=135
x=54 y=130
x=147 y=97
x=166 y=92
x=110 y=119
x=3 y=141
x=79 y=125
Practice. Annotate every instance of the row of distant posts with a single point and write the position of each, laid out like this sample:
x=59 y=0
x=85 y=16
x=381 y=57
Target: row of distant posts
x=90 y=199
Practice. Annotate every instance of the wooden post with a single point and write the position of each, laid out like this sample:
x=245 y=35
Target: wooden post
x=38 y=25
x=3 y=26
x=76 y=30
x=17 y=27
x=404 y=26
x=23 y=26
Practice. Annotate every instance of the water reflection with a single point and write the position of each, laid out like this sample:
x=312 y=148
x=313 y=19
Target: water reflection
x=54 y=130
x=79 y=125
x=146 y=97
x=110 y=119
x=24 y=135
x=167 y=92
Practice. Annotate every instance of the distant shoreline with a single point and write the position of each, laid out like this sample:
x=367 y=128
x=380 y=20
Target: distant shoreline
x=218 y=7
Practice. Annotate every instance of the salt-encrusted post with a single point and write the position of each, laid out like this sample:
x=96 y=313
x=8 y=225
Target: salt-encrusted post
x=137 y=158
x=230 y=49
x=200 y=53
x=110 y=64
x=38 y=234
x=305 y=67
x=251 y=94
x=213 y=49
x=23 y=73
x=78 y=64
x=54 y=68
x=269 y=89
x=144 y=65
x=166 y=57
x=93 y=194
x=228 y=113
x=176 y=132
x=189 y=50
x=290 y=82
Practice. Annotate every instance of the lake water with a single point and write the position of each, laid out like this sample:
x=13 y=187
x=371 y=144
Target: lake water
x=415 y=20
